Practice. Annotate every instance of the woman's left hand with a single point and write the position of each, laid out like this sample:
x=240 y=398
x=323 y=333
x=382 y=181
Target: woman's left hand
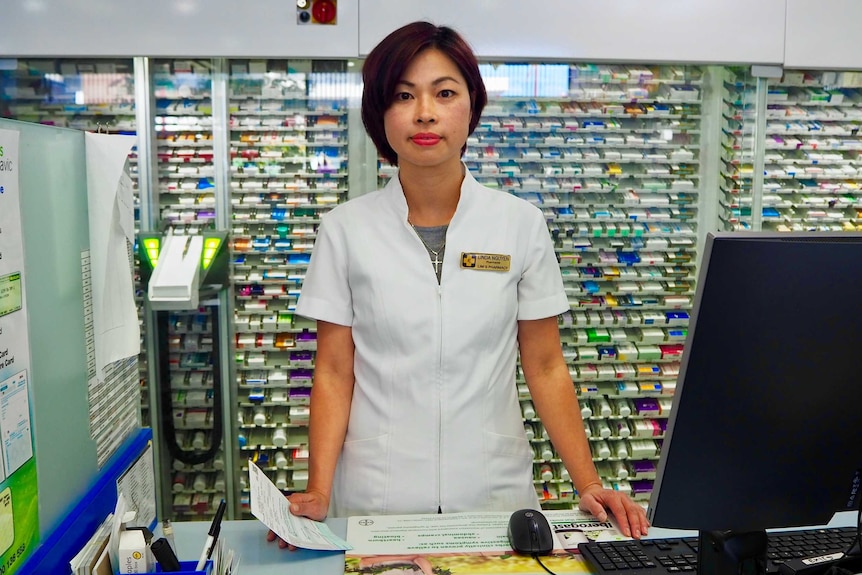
x=630 y=516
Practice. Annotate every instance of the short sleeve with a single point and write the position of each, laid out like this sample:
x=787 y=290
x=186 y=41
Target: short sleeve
x=325 y=293
x=540 y=292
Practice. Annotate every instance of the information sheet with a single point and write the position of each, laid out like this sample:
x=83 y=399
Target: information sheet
x=15 y=422
x=271 y=507
x=19 y=504
x=437 y=533
x=138 y=486
x=465 y=543
x=111 y=315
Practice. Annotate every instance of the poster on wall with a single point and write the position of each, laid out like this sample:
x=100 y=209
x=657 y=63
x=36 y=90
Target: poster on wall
x=19 y=510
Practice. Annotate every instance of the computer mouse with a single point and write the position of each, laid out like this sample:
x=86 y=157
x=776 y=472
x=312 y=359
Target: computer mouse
x=529 y=533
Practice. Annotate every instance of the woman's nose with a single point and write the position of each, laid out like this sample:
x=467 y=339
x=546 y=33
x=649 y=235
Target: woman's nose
x=425 y=111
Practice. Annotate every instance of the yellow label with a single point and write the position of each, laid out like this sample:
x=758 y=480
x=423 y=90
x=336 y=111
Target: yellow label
x=7 y=521
x=485 y=262
x=10 y=293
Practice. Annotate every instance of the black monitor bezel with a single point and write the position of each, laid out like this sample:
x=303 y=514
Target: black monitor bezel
x=706 y=503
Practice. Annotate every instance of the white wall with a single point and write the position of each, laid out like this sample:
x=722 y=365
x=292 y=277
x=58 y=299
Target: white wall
x=824 y=34
x=203 y=28
x=818 y=33
x=696 y=31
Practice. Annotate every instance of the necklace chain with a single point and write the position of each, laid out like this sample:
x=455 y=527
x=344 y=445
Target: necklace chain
x=436 y=261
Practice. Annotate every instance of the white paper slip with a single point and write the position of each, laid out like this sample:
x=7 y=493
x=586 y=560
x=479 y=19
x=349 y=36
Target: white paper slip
x=470 y=532
x=271 y=507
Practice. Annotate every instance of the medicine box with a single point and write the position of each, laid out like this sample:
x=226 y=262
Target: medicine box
x=133 y=554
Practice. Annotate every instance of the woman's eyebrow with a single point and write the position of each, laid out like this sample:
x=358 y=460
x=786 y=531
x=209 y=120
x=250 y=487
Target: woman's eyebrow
x=439 y=80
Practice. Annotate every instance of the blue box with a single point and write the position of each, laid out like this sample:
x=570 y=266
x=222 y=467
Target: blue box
x=187 y=568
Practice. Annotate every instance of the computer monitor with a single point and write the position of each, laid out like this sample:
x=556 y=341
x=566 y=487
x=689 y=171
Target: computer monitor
x=766 y=425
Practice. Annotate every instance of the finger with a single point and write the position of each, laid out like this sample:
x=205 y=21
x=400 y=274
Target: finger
x=300 y=504
x=636 y=516
x=615 y=504
x=642 y=519
x=592 y=505
x=304 y=509
x=298 y=498
x=270 y=536
x=637 y=519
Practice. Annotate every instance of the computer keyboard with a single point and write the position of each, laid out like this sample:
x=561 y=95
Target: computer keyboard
x=675 y=556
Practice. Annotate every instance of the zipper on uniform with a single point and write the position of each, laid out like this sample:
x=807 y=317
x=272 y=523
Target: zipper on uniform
x=440 y=398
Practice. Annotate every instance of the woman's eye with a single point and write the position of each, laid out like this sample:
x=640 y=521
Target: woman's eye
x=402 y=96
x=447 y=93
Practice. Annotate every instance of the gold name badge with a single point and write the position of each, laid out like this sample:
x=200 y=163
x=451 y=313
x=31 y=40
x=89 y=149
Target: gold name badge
x=485 y=262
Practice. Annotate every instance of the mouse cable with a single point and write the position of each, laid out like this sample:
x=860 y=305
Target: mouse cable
x=539 y=561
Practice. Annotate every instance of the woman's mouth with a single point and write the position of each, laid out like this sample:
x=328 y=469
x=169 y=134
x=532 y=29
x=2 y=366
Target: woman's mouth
x=425 y=139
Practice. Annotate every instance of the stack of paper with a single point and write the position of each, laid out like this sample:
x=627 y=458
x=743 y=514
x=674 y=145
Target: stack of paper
x=92 y=559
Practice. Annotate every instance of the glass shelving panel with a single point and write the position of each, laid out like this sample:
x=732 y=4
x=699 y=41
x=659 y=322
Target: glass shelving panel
x=95 y=94
x=185 y=188
x=289 y=160
x=738 y=110
x=812 y=177
x=85 y=94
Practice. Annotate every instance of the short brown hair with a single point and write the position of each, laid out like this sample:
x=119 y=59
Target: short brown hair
x=385 y=66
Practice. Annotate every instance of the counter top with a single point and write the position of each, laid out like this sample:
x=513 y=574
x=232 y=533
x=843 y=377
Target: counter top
x=258 y=557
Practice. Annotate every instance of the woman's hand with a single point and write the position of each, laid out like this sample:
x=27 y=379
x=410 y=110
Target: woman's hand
x=630 y=516
x=311 y=504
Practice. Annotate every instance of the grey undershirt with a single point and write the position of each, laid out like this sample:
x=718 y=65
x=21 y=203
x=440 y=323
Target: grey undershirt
x=434 y=239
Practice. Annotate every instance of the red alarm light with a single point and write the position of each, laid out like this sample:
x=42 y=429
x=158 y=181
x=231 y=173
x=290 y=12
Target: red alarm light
x=323 y=11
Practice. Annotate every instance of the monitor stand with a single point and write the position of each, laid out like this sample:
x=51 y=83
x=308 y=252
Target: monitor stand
x=731 y=553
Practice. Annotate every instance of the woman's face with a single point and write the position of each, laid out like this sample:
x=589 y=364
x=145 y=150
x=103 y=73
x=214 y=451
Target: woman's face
x=429 y=119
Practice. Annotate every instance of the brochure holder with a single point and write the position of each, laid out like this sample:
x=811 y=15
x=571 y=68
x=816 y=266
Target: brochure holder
x=180 y=268
x=174 y=284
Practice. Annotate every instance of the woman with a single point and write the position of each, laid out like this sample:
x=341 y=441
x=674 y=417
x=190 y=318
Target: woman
x=424 y=293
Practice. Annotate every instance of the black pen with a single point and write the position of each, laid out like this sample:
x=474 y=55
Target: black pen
x=212 y=537
x=166 y=557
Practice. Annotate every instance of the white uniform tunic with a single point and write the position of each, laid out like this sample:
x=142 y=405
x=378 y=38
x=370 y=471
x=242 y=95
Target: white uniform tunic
x=435 y=419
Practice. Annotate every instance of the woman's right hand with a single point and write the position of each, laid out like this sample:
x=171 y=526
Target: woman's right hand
x=311 y=504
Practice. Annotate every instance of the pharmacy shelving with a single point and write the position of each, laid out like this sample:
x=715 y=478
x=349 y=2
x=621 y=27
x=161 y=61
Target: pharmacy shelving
x=82 y=94
x=738 y=110
x=196 y=489
x=183 y=130
x=185 y=181
x=612 y=155
x=813 y=176
x=288 y=154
